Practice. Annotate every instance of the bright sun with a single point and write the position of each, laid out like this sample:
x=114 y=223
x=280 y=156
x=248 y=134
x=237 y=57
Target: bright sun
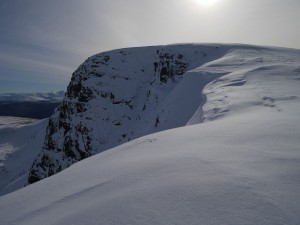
x=206 y=2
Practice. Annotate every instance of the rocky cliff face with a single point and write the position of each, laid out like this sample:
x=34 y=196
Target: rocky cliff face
x=116 y=96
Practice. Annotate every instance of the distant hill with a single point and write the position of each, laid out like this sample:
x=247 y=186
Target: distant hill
x=30 y=105
x=32 y=97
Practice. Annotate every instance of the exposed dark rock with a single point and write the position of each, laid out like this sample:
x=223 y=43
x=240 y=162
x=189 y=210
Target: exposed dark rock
x=102 y=105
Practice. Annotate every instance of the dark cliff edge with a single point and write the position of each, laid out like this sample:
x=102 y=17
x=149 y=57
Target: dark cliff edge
x=117 y=96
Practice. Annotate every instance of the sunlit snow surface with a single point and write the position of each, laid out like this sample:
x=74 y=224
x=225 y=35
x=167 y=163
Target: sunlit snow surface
x=241 y=166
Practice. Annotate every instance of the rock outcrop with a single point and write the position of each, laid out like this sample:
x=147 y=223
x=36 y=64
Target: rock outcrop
x=116 y=96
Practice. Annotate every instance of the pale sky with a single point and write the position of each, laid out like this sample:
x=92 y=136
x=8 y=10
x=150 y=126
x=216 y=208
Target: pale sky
x=43 y=42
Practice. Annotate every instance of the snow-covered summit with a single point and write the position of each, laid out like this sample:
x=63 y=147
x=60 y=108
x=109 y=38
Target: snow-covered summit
x=117 y=96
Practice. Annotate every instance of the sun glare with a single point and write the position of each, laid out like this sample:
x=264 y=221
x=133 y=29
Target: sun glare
x=205 y=2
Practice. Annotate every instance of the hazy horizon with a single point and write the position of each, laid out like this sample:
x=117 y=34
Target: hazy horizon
x=42 y=43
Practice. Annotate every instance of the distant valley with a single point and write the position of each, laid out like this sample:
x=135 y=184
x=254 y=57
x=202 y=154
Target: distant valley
x=32 y=105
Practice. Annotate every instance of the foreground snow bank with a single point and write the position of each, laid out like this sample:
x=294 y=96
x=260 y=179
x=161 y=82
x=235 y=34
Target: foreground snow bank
x=242 y=169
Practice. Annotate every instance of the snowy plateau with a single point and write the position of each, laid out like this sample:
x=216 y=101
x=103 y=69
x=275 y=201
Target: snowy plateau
x=176 y=134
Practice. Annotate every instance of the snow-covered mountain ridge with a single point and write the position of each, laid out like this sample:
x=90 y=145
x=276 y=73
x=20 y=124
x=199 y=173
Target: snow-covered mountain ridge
x=237 y=162
x=117 y=96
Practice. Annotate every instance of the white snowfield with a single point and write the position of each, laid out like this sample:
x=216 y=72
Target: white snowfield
x=237 y=162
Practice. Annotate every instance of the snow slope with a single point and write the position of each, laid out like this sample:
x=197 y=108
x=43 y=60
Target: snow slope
x=242 y=169
x=240 y=166
x=20 y=141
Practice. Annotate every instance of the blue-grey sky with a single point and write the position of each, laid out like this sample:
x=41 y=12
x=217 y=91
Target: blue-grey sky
x=43 y=42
